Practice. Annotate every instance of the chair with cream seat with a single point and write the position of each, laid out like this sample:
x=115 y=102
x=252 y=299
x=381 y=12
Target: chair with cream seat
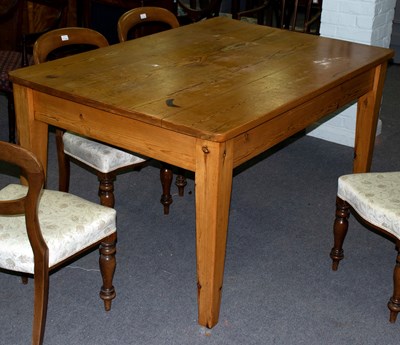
x=106 y=160
x=137 y=23
x=375 y=199
x=40 y=230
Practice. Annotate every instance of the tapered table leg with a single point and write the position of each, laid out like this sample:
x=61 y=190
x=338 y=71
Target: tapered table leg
x=367 y=119
x=213 y=192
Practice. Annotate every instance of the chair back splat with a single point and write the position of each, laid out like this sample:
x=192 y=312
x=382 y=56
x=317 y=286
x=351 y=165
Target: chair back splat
x=136 y=18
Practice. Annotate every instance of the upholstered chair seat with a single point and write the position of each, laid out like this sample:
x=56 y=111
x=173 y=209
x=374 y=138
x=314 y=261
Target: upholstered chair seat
x=101 y=157
x=375 y=199
x=68 y=224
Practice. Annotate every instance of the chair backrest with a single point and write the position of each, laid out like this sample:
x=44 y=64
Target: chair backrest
x=140 y=15
x=300 y=15
x=58 y=38
x=33 y=172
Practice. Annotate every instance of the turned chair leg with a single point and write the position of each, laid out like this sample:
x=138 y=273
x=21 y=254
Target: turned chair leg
x=394 y=302
x=340 y=228
x=166 y=181
x=107 y=264
x=106 y=188
x=24 y=279
x=63 y=163
x=181 y=182
x=41 y=281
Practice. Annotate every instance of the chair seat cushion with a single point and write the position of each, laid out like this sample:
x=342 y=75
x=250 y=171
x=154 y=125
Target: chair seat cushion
x=9 y=60
x=375 y=197
x=99 y=156
x=68 y=224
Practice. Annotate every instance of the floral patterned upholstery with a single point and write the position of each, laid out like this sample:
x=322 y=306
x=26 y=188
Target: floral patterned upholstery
x=68 y=224
x=101 y=157
x=375 y=197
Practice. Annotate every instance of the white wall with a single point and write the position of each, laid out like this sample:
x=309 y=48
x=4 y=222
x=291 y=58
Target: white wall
x=362 y=21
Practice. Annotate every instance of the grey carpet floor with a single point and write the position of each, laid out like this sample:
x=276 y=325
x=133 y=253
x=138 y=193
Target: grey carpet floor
x=278 y=285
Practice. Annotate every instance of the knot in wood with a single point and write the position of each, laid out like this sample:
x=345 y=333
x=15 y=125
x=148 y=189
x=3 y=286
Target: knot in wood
x=205 y=149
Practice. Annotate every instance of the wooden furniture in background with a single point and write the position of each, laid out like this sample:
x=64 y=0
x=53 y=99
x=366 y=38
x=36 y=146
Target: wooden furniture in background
x=301 y=15
x=24 y=20
x=206 y=97
x=295 y=15
x=48 y=228
x=35 y=18
x=10 y=21
x=195 y=10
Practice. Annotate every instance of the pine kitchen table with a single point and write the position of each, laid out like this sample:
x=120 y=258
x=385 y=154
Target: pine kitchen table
x=206 y=97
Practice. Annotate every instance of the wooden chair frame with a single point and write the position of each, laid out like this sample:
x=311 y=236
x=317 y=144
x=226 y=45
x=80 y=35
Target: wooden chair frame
x=33 y=172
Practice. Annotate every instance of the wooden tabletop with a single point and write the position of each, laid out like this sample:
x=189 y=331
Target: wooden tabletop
x=179 y=82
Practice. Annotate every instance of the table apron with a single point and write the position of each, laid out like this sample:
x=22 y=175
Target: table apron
x=127 y=133
x=179 y=149
x=264 y=136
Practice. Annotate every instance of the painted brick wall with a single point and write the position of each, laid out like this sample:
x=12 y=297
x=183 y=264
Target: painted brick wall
x=361 y=21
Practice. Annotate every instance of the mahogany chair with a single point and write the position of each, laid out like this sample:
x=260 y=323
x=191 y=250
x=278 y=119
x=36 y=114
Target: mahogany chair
x=130 y=25
x=374 y=198
x=13 y=59
x=106 y=160
x=41 y=230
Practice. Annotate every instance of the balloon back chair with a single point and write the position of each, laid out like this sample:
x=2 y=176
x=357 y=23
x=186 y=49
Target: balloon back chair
x=106 y=160
x=375 y=199
x=42 y=229
x=133 y=24
x=132 y=21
